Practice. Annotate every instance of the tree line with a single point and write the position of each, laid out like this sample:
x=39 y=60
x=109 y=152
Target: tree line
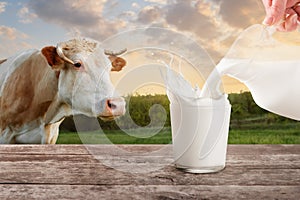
x=153 y=110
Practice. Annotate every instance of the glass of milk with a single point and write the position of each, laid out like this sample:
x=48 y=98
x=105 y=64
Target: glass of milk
x=200 y=133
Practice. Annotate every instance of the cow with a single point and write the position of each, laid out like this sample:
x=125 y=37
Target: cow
x=39 y=88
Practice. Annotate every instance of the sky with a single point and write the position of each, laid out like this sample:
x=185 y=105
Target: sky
x=212 y=24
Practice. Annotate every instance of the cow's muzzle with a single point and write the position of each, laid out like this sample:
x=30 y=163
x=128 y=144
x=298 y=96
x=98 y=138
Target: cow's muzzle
x=114 y=107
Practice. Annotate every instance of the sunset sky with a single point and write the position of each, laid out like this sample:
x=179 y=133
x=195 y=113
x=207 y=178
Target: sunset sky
x=212 y=24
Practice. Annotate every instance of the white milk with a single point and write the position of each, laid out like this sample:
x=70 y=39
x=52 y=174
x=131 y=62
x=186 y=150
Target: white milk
x=199 y=126
x=268 y=67
x=200 y=134
x=273 y=85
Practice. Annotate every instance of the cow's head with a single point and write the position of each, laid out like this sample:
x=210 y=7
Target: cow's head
x=83 y=69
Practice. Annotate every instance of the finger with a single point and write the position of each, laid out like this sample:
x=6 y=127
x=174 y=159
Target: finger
x=268 y=19
x=267 y=3
x=274 y=11
x=290 y=24
x=290 y=11
x=291 y=3
x=277 y=10
x=297 y=10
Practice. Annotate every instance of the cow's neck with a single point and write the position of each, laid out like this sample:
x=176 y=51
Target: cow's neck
x=57 y=111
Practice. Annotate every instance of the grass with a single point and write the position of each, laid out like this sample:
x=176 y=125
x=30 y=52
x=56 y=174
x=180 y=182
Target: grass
x=117 y=137
x=269 y=134
x=264 y=136
x=264 y=133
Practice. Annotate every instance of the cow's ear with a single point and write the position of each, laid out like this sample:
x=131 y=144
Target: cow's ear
x=52 y=57
x=117 y=63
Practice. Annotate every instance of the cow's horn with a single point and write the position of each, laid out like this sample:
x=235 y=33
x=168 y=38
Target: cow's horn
x=111 y=53
x=61 y=54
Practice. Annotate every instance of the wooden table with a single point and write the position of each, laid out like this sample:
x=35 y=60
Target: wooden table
x=73 y=172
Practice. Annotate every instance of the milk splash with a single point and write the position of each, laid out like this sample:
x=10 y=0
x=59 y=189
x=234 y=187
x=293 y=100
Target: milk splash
x=199 y=126
x=269 y=68
x=178 y=88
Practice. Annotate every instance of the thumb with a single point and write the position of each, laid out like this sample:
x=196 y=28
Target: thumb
x=275 y=10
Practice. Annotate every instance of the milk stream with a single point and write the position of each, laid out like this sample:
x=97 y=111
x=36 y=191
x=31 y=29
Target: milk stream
x=270 y=70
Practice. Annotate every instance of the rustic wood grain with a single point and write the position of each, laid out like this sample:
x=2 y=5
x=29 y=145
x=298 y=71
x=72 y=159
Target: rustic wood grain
x=72 y=172
x=93 y=192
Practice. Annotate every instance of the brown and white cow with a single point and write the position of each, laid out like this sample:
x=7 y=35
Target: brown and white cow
x=38 y=88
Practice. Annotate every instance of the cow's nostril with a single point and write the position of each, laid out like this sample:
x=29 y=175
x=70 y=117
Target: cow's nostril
x=114 y=107
x=111 y=105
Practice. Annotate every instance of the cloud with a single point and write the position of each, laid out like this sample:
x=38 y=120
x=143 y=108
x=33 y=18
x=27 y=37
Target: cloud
x=162 y=2
x=9 y=48
x=135 y=5
x=194 y=19
x=214 y=24
x=241 y=14
x=11 y=33
x=12 y=41
x=68 y=12
x=2 y=6
x=81 y=15
x=26 y=16
x=129 y=14
x=149 y=14
x=186 y=17
x=112 y=4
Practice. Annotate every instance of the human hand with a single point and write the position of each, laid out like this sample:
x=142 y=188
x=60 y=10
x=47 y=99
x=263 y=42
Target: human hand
x=283 y=13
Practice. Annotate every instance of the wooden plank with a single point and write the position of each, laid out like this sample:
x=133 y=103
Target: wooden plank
x=71 y=172
x=82 y=149
x=40 y=153
x=281 y=161
x=147 y=192
x=43 y=149
x=100 y=175
x=84 y=169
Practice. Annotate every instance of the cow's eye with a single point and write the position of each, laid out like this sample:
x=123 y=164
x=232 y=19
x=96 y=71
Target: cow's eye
x=77 y=65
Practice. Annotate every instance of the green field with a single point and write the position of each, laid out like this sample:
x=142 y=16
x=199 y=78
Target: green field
x=271 y=134
x=249 y=124
x=115 y=137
